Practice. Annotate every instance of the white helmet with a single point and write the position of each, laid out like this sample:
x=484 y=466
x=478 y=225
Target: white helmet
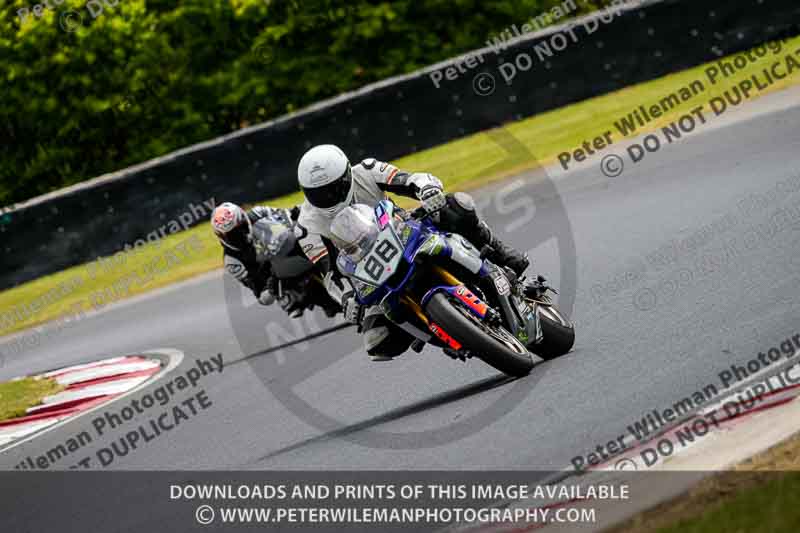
x=232 y=226
x=326 y=179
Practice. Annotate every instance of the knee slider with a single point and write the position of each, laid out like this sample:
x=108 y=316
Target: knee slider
x=374 y=337
x=461 y=215
x=394 y=344
x=464 y=202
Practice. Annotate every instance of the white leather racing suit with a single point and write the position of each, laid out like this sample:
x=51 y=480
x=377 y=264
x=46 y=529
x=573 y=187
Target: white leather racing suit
x=372 y=179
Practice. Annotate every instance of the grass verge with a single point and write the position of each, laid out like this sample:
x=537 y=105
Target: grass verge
x=759 y=495
x=16 y=396
x=461 y=164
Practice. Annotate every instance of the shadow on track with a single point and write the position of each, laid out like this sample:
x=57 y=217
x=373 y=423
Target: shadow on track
x=444 y=398
x=291 y=343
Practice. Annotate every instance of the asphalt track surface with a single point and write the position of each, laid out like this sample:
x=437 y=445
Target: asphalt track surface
x=627 y=361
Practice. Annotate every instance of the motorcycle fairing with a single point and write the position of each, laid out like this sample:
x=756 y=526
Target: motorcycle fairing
x=416 y=237
x=445 y=337
x=462 y=294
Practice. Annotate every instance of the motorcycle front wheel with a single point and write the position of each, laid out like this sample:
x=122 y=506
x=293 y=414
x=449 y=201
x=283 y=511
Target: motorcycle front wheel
x=495 y=346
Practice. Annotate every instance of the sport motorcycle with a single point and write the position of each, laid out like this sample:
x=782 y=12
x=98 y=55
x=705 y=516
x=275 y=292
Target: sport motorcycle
x=279 y=256
x=438 y=287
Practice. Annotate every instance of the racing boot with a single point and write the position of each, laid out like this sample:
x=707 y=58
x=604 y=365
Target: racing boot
x=498 y=252
x=537 y=289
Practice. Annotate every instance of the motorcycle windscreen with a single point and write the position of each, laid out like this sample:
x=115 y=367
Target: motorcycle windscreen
x=269 y=238
x=354 y=232
x=371 y=254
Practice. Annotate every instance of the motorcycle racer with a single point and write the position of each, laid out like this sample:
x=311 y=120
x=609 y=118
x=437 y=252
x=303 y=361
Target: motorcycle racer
x=233 y=227
x=330 y=184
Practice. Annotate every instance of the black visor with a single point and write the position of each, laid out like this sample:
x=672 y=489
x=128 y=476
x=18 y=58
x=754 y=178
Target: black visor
x=331 y=194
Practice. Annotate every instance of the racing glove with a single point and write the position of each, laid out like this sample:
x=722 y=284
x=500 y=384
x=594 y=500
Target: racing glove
x=432 y=198
x=336 y=286
x=268 y=292
x=341 y=290
x=352 y=310
x=266 y=298
x=291 y=302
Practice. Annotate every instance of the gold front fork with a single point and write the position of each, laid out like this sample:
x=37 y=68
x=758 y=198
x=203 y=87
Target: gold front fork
x=414 y=306
x=446 y=277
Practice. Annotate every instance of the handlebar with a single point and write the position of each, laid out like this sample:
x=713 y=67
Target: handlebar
x=418 y=213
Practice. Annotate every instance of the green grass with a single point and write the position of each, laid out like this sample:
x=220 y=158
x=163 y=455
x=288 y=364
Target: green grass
x=759 y=494
x=461 y=164
x=768 y=508
x=17 y=396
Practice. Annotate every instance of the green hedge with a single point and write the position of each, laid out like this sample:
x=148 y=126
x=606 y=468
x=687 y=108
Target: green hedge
x=94 y=86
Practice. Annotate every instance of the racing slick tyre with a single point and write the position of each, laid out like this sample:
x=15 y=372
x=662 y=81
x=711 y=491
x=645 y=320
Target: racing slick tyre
x=493 y=345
